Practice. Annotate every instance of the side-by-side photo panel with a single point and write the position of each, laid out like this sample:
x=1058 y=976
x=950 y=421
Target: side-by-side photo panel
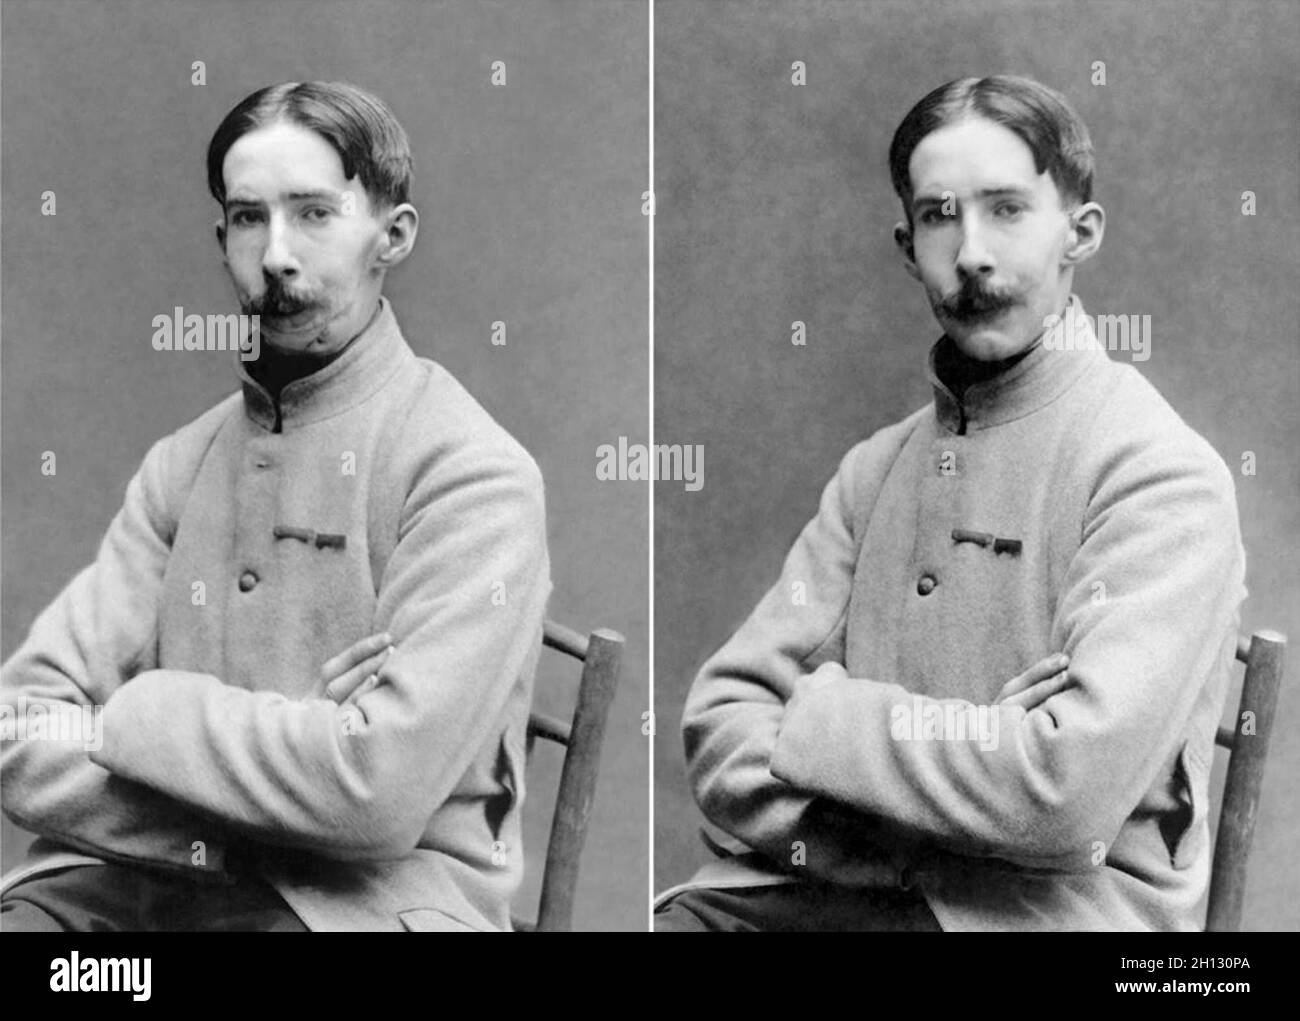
x=981 y=318
x=317 y=612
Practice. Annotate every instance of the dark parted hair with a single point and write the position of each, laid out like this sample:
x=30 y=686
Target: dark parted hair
x=363 y=131
x=1040 y=116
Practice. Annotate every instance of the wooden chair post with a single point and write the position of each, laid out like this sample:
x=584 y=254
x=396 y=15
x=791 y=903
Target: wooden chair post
x=600 y=653
x=1263 y=656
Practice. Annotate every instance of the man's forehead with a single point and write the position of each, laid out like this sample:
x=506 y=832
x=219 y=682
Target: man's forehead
x=974 y=155
x=283 y=160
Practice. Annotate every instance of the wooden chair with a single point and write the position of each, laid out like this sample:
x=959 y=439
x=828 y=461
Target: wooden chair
x=1262 y=653
x=600 y=654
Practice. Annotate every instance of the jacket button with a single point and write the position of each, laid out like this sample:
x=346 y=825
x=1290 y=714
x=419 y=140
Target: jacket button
x=925 y=585
x=247 y=581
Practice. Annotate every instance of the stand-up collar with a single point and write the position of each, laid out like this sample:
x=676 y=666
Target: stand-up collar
x=366 y=365
x=1037 y=379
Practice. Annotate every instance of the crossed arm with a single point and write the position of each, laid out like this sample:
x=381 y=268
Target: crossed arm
x=187 y=758
x=783 y=746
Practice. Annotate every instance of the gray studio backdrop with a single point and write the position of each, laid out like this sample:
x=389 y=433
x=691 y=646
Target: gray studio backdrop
x=529 y=195
x=774 y=205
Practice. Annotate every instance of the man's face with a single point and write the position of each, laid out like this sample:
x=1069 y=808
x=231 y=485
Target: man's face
x=989 y=238
x=301 y=242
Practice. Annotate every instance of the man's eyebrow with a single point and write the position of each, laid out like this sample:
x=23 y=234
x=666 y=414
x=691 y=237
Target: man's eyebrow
x=326 y=194
x=1002 y=191
x=1014 y=191
x=926 y=200
x=317 y=195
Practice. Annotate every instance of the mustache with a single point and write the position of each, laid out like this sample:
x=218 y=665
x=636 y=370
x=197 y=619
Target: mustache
x=276 y=300
x=972 y=300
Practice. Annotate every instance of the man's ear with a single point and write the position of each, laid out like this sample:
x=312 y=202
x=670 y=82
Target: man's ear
x=1087 y=226
x=401 y=224
x=220 y=227
x=903 y=238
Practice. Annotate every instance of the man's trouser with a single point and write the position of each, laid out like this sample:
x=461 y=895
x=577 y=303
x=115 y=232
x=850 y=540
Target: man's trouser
x=796 y=907
x=120 y=898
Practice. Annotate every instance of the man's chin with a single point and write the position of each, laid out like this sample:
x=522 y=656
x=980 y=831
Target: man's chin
x=292 y=334
x=991 y=340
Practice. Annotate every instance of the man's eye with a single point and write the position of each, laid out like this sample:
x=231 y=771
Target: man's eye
x=245 y=217
x=1009 y=210
x=933 y=216
x=316 y=214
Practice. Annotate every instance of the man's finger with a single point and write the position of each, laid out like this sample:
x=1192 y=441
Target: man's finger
x=1039 y=693
x=363 y=687
x=1042 y=670
x=354 y=654
x=342 y=688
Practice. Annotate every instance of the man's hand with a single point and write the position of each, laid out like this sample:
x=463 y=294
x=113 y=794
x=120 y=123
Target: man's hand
x=1037 y=684
x=1027 y=690
x=355 y=670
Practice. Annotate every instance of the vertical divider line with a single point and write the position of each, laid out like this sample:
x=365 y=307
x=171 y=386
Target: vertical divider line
x=650 y=520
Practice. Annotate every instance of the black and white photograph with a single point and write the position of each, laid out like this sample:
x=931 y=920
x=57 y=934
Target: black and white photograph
x=648 y=466
x=984 y=315
x=317 y=615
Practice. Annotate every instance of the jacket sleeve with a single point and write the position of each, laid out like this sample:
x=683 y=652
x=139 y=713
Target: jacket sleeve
x=736 y=704
x=96 y=634
x=1161 y=544
x=463 y=595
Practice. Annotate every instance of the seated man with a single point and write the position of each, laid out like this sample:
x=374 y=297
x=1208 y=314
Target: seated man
x=983 y=693
x=313 y=625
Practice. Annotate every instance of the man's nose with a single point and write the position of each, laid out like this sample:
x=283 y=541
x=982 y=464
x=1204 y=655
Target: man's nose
x=277 y=259
x=974 y=258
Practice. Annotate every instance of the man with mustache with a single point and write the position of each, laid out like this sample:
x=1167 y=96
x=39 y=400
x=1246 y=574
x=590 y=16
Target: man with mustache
x=314 y=623
x=1048 y=518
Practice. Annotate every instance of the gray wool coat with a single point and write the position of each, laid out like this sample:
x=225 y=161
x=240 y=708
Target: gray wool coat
x=1060 y=507
x=254 y=544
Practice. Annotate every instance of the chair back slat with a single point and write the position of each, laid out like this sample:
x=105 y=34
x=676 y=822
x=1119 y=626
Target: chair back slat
x=564 y=639
x=1263 y=655
x=548 y=728
x=1243 y=648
